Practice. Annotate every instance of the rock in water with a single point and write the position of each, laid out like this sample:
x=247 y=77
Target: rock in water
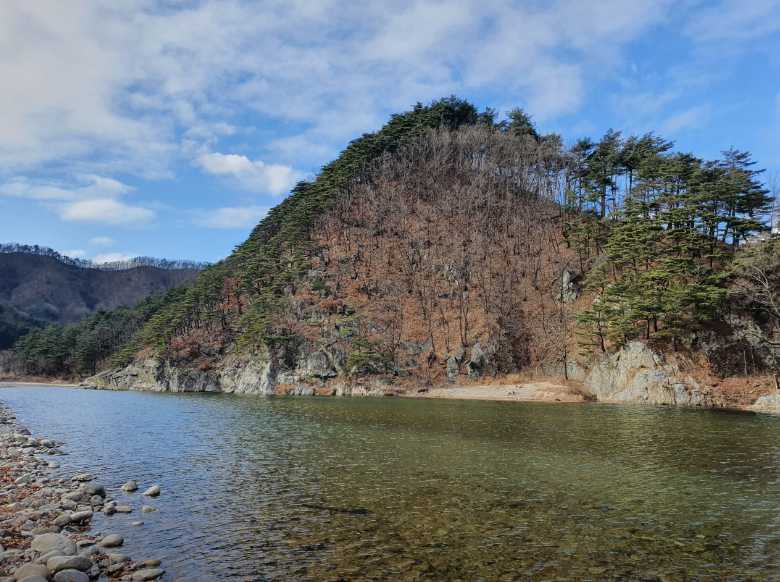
x=82 y=477
x=111 y=541
x=153 y=491
x=147 y=509
x=130 y=486
x=148 y=574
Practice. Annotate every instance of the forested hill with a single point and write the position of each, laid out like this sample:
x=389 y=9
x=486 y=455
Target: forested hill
x=449 y=246
x=40 y=287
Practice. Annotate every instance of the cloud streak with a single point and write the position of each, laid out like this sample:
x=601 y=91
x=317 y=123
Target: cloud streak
x=254 y=175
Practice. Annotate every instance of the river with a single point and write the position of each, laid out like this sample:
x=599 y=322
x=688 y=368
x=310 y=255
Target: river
x=382 y=489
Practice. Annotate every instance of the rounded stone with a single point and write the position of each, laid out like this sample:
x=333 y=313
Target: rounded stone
x=111 y=541
x=130 y=486
x=71 y=576
x=29 y=570
x=51 y=541
x=148 y=574
x=59 y=563
x=153 y=491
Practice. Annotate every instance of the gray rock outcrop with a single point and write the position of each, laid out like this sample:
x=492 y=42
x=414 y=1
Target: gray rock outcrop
x=636 y=373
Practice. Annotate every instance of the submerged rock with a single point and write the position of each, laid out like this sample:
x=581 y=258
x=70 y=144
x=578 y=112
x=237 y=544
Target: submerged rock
x=148 y=574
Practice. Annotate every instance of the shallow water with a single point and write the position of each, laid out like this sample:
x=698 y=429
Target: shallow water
x=378 y=489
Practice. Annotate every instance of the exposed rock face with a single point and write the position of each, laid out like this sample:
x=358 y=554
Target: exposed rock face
x=247 y=377
x=768 y=403
x=638 y=374
x=633 y=374
x=319 y=373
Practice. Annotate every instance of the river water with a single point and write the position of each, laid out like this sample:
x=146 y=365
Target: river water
x=390 y=489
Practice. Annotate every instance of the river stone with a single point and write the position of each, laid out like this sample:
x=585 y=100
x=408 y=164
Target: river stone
x=80 y=516
x=33 y=579
x=130 y=486
x=117 y=558
x=148 y=509
x=151 y=563
x=123 y=509
x=29 y=570
x=111 y=541
x=153 y=491
x=68 y=563
x=94 y=489
x=51 y=541
x=137 y=523
x=148 y=574
x=71 y=576
x=82 y=477
x=62 y=519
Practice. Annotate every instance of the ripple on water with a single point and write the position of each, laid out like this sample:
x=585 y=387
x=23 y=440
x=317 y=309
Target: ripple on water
x=308 y=488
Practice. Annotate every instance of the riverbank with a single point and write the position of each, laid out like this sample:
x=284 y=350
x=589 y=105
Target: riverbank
x=45 y=519
x=539 y=391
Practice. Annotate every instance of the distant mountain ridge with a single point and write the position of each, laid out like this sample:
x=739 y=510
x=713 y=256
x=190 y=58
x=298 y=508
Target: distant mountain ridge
x=131 y=263
x=39 y=286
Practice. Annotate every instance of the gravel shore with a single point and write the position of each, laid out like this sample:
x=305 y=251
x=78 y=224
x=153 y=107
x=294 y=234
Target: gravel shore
x=45 y=521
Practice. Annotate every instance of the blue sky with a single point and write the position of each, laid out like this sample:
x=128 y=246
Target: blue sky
x=168 y=127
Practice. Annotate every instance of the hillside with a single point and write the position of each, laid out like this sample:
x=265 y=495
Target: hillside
x=449 y=248
x=38 y=288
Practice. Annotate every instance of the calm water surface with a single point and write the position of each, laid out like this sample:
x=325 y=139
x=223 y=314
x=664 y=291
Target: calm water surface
x=383 y=489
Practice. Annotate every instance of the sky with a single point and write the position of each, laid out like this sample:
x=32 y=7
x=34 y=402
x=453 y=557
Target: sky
x=168 y=128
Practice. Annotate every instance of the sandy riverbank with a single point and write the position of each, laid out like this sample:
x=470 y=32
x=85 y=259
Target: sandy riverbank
x=542 y=391
x=38 y=383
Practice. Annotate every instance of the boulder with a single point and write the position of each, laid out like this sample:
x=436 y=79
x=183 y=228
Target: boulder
x=130 y=486
x=111 y=541
x=635 y=373
x=29 y=570
x=68 y=563
x=148 y=574
x=71 y=576
x=153 y=491
x=51 y=541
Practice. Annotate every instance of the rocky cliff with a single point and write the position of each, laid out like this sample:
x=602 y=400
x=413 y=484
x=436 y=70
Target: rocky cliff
x=634 y=374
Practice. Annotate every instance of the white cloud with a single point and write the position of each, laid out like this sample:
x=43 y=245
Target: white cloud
x=89 y=186
x=104 y=86
x=230 y=217
x=253 y=175
x=92 y=199
x=111 y=258
x=101 y=241
x=690 y=118
x=735 y=20
x=105 y=211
